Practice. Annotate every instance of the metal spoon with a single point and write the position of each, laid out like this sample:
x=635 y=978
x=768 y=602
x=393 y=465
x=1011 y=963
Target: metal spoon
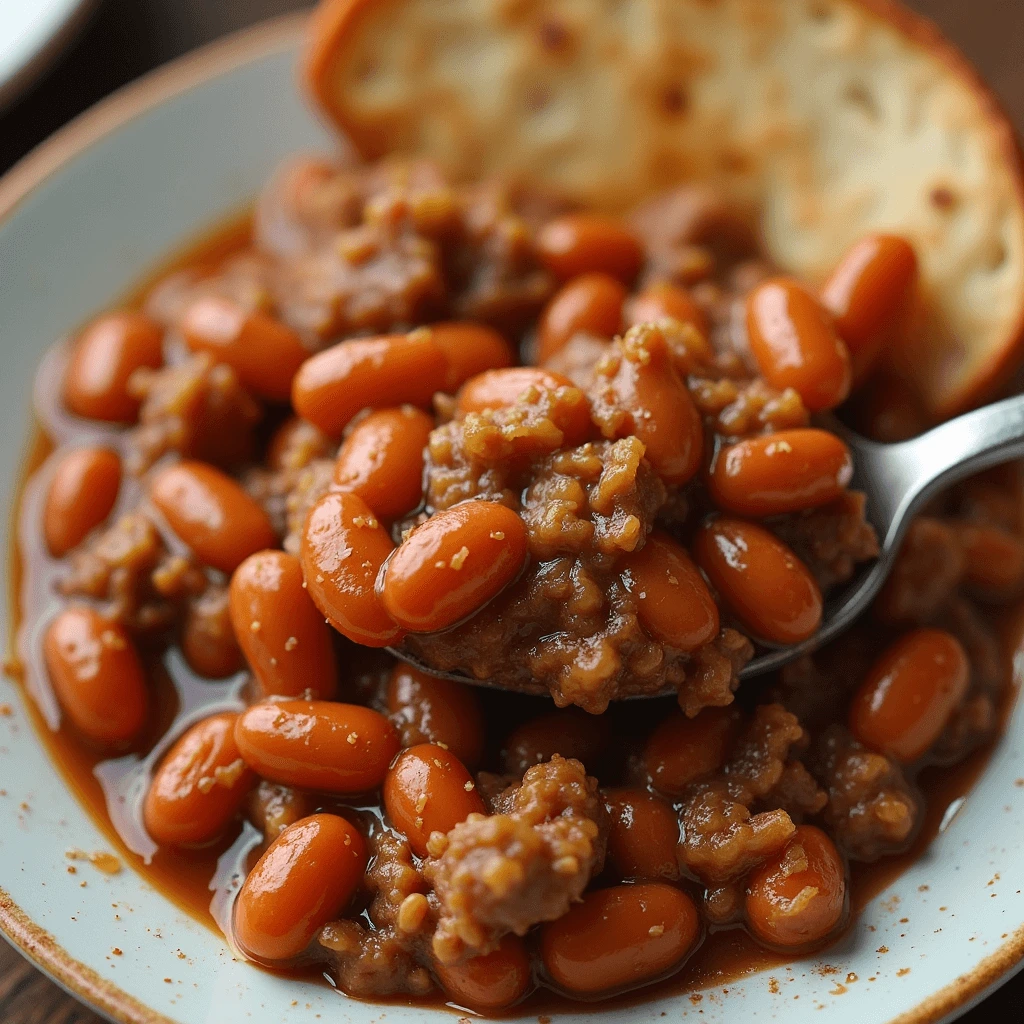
x=898 y=480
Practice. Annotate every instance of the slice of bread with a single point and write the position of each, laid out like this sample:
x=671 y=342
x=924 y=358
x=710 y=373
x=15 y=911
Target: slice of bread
x=834 y=117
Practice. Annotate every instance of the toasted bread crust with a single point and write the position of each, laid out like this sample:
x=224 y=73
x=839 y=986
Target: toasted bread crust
x=457 y=102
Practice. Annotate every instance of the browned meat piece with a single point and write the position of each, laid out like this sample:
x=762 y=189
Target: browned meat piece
x=738 y=408
x=925 y=576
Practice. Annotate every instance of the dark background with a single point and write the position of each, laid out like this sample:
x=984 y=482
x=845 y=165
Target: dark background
x=125 y=38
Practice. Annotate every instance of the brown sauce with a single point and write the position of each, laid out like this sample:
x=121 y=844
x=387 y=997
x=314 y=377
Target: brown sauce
x=106 y=788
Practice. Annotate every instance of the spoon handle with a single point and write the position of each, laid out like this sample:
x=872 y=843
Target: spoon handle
x=900 y=477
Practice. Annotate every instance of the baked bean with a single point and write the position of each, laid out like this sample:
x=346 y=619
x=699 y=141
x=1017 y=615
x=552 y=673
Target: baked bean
x=657 y=405
x=643 y=834
x=798 y=897
x=494 y=981
x=317 y=744
x=453 y=564
x=571 y=732
x=664 y=300
x=764 y=583
x=681 y=750
x=620 y=938
x=468 y=349
x=211 y=514
x=794 y=341
x=368 y=373
x=904 y=703
x=994 y=559
x=285 y=640
x=343 y=547
x=96 y=675
x=307 y=876
x=273 y=807
x=590 y=304
x=583 y=243
x=81 y=495
x=265 y=353
x=674 y=604
x=208 y=637
x=866 y=292
x=381 y=460
x=430 y=710
x=104 y=356
x=200 y=785
x=428 y=790
x=778 y=473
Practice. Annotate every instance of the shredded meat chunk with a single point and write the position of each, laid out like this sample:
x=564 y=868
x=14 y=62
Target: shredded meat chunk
x=925 y=576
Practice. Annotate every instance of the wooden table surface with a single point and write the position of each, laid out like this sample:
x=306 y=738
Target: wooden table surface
x=127 y=37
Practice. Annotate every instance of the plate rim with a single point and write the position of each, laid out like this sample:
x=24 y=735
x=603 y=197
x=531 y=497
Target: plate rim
x=18 y=184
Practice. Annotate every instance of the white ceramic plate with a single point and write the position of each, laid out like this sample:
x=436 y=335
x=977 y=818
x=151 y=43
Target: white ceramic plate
x=80 y=220
x=32 y=32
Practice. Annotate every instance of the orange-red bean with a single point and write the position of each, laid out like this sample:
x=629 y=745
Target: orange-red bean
x=343 y=547
x=764 y=583
x=453 y=564
x=81 y=495
x=620 y=938
x=428 y=789
x=468 y=349
x=905 y=702
x=382 y=460
x=97 y=676
x=674 y=604
x=680 y=750
x=866 y=292
x=199 y=786
x=494 y=981
x=664 y=300
x=104 y=356
x=643 y=834
x=582 y=243
x=795 y=343
x=265 y=353
x=282 y=634
x=307 y=876
x=211 y=513
x=798 y=897
x=778 y=473
x=570 y=732
x=430 y=710
x=591 y=303
x=313 y=744
x=994 y=559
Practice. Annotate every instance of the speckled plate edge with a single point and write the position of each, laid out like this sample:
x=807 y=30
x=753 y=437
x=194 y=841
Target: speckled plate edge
x=34 y=941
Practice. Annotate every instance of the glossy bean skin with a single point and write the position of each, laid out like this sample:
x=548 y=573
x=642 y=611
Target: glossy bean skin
x=866 y=293
x=97 y=676
x=453 y=564
x=994 y=559
x=905 y=702
x=657 y=405
x=281 y=632
x=342 y=550
x=674 y=604
x=208 y=637
x=491 y=982
x=428 y=789
x=199 y=786
x=307 y=876
x=619 y=938
x=427 y=709
x=338 y=748
x=211 y=514
x=764 y=583
x=643 y=834
x=570 y=732
x=591 y=304
x=681 y=750
x=797 y=898
x=103 y=357
x=468 y=349
x=788 y=471
x=795 y=343
x=381 y=460
x=664 y=300
x=583 y=243
x=82 y=494
x=375 y=373
x=264 y=352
